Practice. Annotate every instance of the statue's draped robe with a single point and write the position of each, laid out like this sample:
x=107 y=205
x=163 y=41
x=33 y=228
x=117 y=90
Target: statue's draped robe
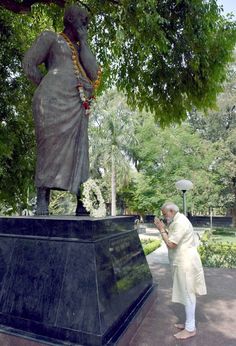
x=61 y=124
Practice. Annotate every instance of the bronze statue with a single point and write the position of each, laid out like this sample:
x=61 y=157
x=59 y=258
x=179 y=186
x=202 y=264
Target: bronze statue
x=60 y=105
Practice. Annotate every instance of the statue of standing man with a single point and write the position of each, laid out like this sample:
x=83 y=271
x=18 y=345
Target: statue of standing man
x=60 y=106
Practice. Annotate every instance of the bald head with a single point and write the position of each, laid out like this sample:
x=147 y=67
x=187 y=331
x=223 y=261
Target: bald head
x=74 y=13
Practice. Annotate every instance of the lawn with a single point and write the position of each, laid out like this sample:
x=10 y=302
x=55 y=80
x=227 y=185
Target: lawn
x=224 y=235
x=224 y=238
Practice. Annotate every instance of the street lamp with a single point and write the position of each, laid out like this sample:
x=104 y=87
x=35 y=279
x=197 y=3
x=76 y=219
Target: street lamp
x=184 y=185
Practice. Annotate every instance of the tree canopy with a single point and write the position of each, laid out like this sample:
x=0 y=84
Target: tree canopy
x=166 y=156
x=167 y=56
x=16 y=125
x=219 y=127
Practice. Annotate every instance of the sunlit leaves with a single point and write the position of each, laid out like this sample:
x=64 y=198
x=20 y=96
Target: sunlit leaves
x=167 y=56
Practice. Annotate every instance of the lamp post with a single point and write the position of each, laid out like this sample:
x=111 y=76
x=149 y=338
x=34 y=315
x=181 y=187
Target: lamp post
x=184 y=185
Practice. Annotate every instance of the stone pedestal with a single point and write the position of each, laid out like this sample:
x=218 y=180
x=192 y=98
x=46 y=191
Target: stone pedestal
x=70 y=280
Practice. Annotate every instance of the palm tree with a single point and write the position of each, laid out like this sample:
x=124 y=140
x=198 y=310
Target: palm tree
x=111 y=133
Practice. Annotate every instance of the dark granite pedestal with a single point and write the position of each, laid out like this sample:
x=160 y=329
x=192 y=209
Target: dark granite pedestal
x=70 y=280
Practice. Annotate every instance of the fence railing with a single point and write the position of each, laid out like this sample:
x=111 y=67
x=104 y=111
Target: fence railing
x=202 y=221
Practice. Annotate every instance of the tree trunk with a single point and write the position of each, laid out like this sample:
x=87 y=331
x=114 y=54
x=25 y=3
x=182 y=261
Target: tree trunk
x=113 y=185
x=234 y=206
x=234 y=215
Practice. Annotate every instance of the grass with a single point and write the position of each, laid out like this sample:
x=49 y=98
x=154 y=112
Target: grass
x=224 y=235
x=226 y=238
x=150 y=245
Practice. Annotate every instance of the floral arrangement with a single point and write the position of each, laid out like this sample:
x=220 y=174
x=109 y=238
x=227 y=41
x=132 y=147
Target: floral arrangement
x=92 y=199
x=79 y=70
x=86 y=102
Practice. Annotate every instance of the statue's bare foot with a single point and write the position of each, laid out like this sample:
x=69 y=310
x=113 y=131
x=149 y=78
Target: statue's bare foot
x=80 y=209
x=43 y=198
x=41 y=211
x=184 y=334
x=179 y=326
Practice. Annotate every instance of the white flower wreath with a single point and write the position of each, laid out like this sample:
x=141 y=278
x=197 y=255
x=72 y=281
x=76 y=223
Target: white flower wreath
x=92 y=199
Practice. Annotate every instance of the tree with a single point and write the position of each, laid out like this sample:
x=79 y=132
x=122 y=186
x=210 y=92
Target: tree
x=165 y=156
x=16 y=127
x=167 y=56
x=111 y=133
x=219 y=127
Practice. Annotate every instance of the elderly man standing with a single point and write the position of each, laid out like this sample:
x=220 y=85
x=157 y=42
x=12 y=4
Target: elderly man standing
x=185 y=262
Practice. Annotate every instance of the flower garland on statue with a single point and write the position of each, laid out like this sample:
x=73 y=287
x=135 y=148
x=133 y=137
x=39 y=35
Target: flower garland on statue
x=79 y=70
x=92 y=199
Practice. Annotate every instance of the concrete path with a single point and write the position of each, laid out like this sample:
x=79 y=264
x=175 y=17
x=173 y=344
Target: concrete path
x=215 y=313
x=159 y=256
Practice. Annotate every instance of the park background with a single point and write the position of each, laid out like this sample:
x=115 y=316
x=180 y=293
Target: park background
x=151 y=126
x=141 y=141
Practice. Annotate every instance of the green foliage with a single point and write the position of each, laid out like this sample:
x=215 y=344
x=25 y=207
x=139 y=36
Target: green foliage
x=111 y=133
x=219 y=127
x=206 y=235
x=62 y=203
x=150 y=245
x=132 y=277
x=167 y=57
x=16 y=128
x=224 y=231
x=218 y=254
x=224 y=235
x=165 y=156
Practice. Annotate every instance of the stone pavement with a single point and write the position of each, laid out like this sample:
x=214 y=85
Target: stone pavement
x=10 y=340
x=160 y=255
x=215 y=313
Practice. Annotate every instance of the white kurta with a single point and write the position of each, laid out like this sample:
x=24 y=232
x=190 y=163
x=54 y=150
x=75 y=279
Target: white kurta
x=185 y=262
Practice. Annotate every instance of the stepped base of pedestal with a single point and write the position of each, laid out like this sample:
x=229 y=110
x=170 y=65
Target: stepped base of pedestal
x=122 y=337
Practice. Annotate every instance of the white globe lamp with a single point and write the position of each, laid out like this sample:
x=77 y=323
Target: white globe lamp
x=184 y=186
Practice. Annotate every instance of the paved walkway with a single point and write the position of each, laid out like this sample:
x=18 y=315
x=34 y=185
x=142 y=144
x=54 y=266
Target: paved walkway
x=215 y=313
x=160 y=255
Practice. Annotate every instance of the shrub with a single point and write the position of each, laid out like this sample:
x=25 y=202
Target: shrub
x=218 y=254
x=150 y=245
x=206 y=235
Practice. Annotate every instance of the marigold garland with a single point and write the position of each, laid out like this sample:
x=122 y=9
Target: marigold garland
x=78 y=68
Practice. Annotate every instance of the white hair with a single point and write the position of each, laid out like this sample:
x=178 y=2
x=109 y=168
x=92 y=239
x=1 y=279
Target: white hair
x=170 y=206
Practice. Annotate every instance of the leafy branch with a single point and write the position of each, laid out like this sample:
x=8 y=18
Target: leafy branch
x=25 y=5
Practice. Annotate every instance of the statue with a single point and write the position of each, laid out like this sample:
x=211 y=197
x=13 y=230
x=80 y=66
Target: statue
x=60 y=106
